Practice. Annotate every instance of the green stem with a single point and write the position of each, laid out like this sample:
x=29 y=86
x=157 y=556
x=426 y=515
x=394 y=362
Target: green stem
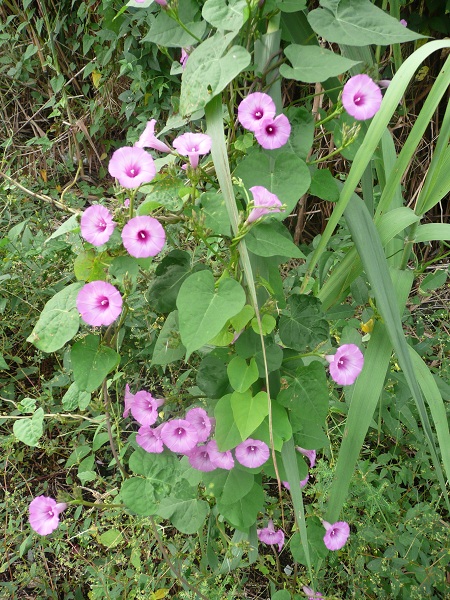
x=109 y=430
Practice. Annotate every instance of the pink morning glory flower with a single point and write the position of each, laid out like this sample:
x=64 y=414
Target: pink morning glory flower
x=252 y=453
x=193 y=145
x=183 y=58
x=143 y=236
x=99 y=303
x=149 y=140
x=200 y=420
x=361 y=97
x=270 y=535
x=200 y=459
x=336 y=535
x=312 y=594
x=44 y=514
x=132 y=166
x=310 y=455
x=254 y=108
x=97 y=224
x=179 y=436
x=346 y=364
x=264 y=203
x=222 y=460
x=273 y=132
x=149 y=439
x=142 y=406
x=302 y=482
x=403 y=22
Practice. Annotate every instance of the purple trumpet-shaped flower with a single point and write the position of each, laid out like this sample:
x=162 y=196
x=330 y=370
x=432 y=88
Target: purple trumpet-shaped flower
x=198 y=417
x=254 y=108
x=310 y=455
x=149 y=140
x=336 y=535
x=97 y=224
x=99 y=303
x=179 y=436
x=273 y=132
x=252 y=453
x=193 y=145
x=44 y=514
x=142 y=406
x=183 y=58
x=361 y=97
x=271 y=536
x=264 y=203
x=149 y=438
x=143 y=236
x=222 y=460
x=312 y=594
x=346 y=364
x=200 y=459
x=132 y=166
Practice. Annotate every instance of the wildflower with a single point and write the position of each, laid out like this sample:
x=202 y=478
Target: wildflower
x=310 y=455
x=302 y=482
x=131 y=166
x=44 y=514
x=183 y=58
x=200 y=459
x=99 y=303
x=312 y=594
x=361 y=97
x=193 y=145
x=270 y=535
x=384 y=83
x=143 y=236
x=403 y=22
x=179 y=436
x=222 y=460
x=336 y=535
x=273 y=132
x=264 y=203
x=142 y=406
x=149 y=140
x=149 y=439
x=346 y=364
x=97 y=224
x=200 y=420
x=254 y=108
x=252 y=453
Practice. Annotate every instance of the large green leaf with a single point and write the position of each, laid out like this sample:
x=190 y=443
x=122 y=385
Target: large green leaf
x=186 y=513
x=30 y=429
x=91 y=362
x=272 y=239
x=302 y=323
x=314 y=63
x=165 y=31
x=209 y=70
x=227 y=433
x=203 y=310
x=358 y=23
x=242 y=374
x=226 y=15
x=284 y=174
x=242 y=513
x=59 y=321
x=249 y=411
x=168 y=347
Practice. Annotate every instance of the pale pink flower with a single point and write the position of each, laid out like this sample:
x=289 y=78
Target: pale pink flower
x=161 y=2
x=312 y=594
x=142 y=406
x=149 y=439
x=183 y=58
x=273 y=132
x=336 y=535
x=252 y=453
x=254 y=108
x=44 y=514
x=179 y=436
x=264 y=203
x=99 y=303
x=384 y=83
x=149 y=140
x=198 y=417
x=200 y=459
x=346 y=364
x=403 y=22
x=270 y=535
x=132 y=166
x=310 y=455
x=193 y=145
x=97 y=224
x=222 y=460
x=361 y=97
x=143 y=236
x=302 y=482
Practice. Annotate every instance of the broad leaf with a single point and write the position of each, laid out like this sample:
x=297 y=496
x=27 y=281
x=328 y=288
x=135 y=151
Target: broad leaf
x=226 y=15
x=30 y=430
x=302 y=324
x=249 y=411
x=186 y=514
x=91 y=362
x=241 y=374
x=272 y=239
x=168 y=347
x=227 y=434
x=314 y=63
x=242 y=513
